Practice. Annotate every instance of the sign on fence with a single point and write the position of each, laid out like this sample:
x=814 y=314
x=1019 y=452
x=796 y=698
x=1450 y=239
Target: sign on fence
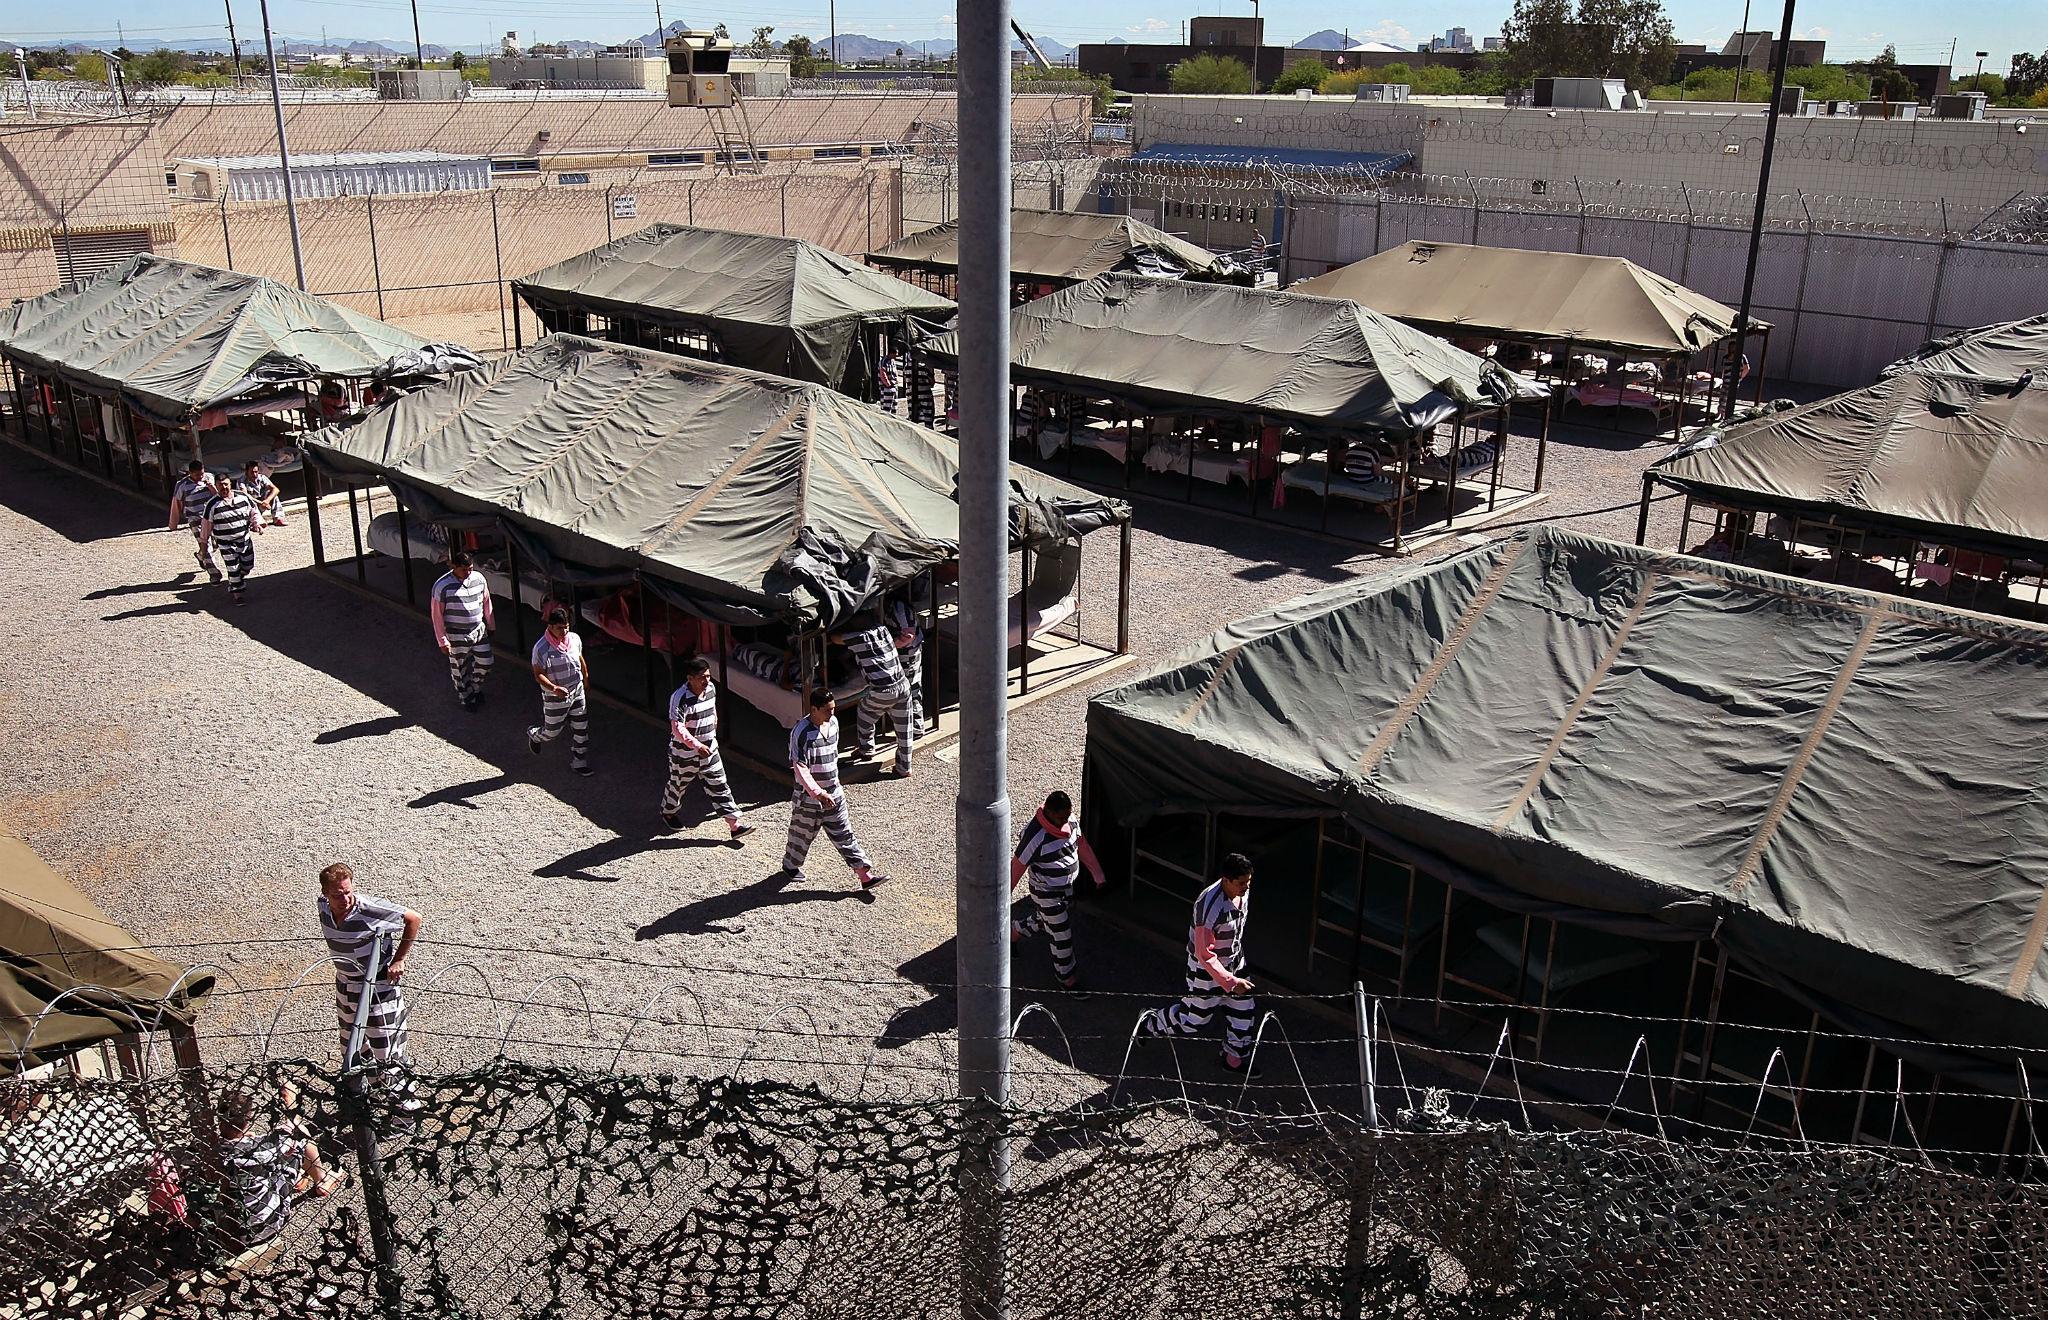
x=625 y=206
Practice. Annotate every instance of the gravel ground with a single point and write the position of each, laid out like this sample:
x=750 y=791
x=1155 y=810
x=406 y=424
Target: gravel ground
x=192 y=765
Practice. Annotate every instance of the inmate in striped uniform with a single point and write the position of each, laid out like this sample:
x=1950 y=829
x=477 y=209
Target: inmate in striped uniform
x=1224 y=918
x=269 y=499
x=874 y=650
x=909 y=632
x=885 y=385
x=370 y=920
x=816 y=748
x=697 y=712
x=462 y=611
x=564 y=667
x=263 y=1170
x=231 y=526
x=191 y=496
x=922 y=410
x=1052 y=862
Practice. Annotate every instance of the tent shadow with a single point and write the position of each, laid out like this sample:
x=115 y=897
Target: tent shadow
x=72 y=505
x=579 y=865
x=706 y=916
x=374 y=728
x=181 y=606
x=142 y=588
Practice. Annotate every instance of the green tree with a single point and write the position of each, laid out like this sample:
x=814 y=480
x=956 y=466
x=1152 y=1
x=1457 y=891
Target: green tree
x=1097 y=86
x=457 y=60
x=2028 y=75
x=1626 y=39
x=1487 y=75
x=1991 y=84
x=1213 y=75
x=89 y=68
x=159 y=67
x=763 y=44
x=1437 y=80
x=1887 y=81
x=802 y=62
x=1539 y=40
x=1310 y=74
x=1828 y=82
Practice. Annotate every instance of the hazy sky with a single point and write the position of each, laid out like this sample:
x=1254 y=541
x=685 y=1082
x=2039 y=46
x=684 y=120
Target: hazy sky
x=1853 y=28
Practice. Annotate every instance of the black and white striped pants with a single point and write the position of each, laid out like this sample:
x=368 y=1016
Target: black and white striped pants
x=240 y=558
x=1053 y=914
x=384 y=1031
x=913 y=674
x=685 y=767
x=202 y=550
x=571 y=710
x=469 y=662
x=895 y=703
x=806 y=815
x=1194 y=1009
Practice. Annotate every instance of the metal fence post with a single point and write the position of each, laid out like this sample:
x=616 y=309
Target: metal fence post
x=1685 y=255
x=1379 y=216
x=1581 y=190
x=785 y=206
x=369 y=1159
x=227 y=237
x=1799 y=304
x=1948 y=245
x=376 y=265
x=498 y=257
x=690 y=202
x=609 y=189
x=868 y=241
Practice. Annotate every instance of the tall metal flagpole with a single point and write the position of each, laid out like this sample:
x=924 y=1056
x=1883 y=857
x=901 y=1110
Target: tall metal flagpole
x=1763 y=200
x=981 y=812
x=284 y=153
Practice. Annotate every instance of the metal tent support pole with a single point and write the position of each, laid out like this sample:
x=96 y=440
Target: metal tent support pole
x=982 y=809
x=405 y=549
x=1643 y=511
x=355 y=522
x=313 y=514
x=71 y=416
x=518 y=600
x=376 y=266
x=369 y=1159
x=1368 y=1058
x=1023 y=619
x=20 y=401
x=1123 y=588
x=647 y=638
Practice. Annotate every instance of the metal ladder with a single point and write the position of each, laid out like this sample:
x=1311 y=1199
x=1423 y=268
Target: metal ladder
x=734 y=134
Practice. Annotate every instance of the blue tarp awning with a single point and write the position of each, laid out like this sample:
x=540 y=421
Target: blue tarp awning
x=1204 y=153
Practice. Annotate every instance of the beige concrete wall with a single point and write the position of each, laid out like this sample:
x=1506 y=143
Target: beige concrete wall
x=1972 y=166
x=85 y=177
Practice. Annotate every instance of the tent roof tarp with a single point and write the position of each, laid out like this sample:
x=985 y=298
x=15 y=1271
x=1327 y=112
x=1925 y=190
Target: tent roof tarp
x=1515 y=293
x=1846 y=787
x=1992 y=352
x=54 y=941
x=173 y=339
x=746 y=497
x=1218 y=347
x=1057 y=245
x=1956 y=457
x=777 y=304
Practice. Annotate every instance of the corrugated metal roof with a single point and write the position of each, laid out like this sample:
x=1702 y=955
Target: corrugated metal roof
x=1203 y=153
x=329 y=160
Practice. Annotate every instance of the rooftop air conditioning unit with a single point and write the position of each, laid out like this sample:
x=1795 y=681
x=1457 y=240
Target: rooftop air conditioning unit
x=1792 y=101
x=1888 y=109
x=1382 y=91
x=1580 y=93
x=1959 y=105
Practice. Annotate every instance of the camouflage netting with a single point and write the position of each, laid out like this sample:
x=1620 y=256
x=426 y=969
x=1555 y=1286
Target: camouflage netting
x=524 y=1192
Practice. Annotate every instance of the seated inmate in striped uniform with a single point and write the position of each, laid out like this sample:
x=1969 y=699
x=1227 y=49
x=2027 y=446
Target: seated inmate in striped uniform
x=189 y=499
x=231 y=525
x=267 y=1169
x=888 y=693
x=1215 y=961
x=818 y=800
x=559 y=668
x=462 y=626
x=693 y=749
x=258 y=486
x=352 y=923
x=1049 y=856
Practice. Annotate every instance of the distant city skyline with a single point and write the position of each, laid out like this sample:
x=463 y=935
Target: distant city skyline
x=1853 y=29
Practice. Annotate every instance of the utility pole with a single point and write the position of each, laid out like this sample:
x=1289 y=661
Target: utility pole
x=291 y=201
x=981 y=812
x=1756 y=224
x=1742 y=52
x=832 y=30
x=660 y=28
x=419 y=52
x=234 y=46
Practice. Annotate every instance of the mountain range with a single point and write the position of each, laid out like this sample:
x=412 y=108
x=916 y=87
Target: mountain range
x=857 y=48
x=1327 y=39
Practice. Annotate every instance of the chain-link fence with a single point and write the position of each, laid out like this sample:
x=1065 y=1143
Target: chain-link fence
x=519 y=1190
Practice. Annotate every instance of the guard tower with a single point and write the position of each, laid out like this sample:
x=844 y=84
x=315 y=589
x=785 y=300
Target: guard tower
x=700 y=76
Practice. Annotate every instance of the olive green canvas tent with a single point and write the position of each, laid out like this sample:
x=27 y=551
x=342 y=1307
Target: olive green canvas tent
x=1210 y=348
x=779 y=305
x=172 y=339
x=70 y=977
x=1060 y=247
x=740 y=496
x=1845 y=789
x=2003 y=352
x=1514 y=293
x=1956 y=460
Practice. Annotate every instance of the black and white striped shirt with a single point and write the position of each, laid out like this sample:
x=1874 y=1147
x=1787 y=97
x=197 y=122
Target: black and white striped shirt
x=349 y=941
x=1052 y=861
x=1225 y=917
x=874 y=650
x=230 y=517
x=816 y=748
x=696 y=712
x=562 y=664
x=263 y=1170
x=462 y=604
x=193 y=497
